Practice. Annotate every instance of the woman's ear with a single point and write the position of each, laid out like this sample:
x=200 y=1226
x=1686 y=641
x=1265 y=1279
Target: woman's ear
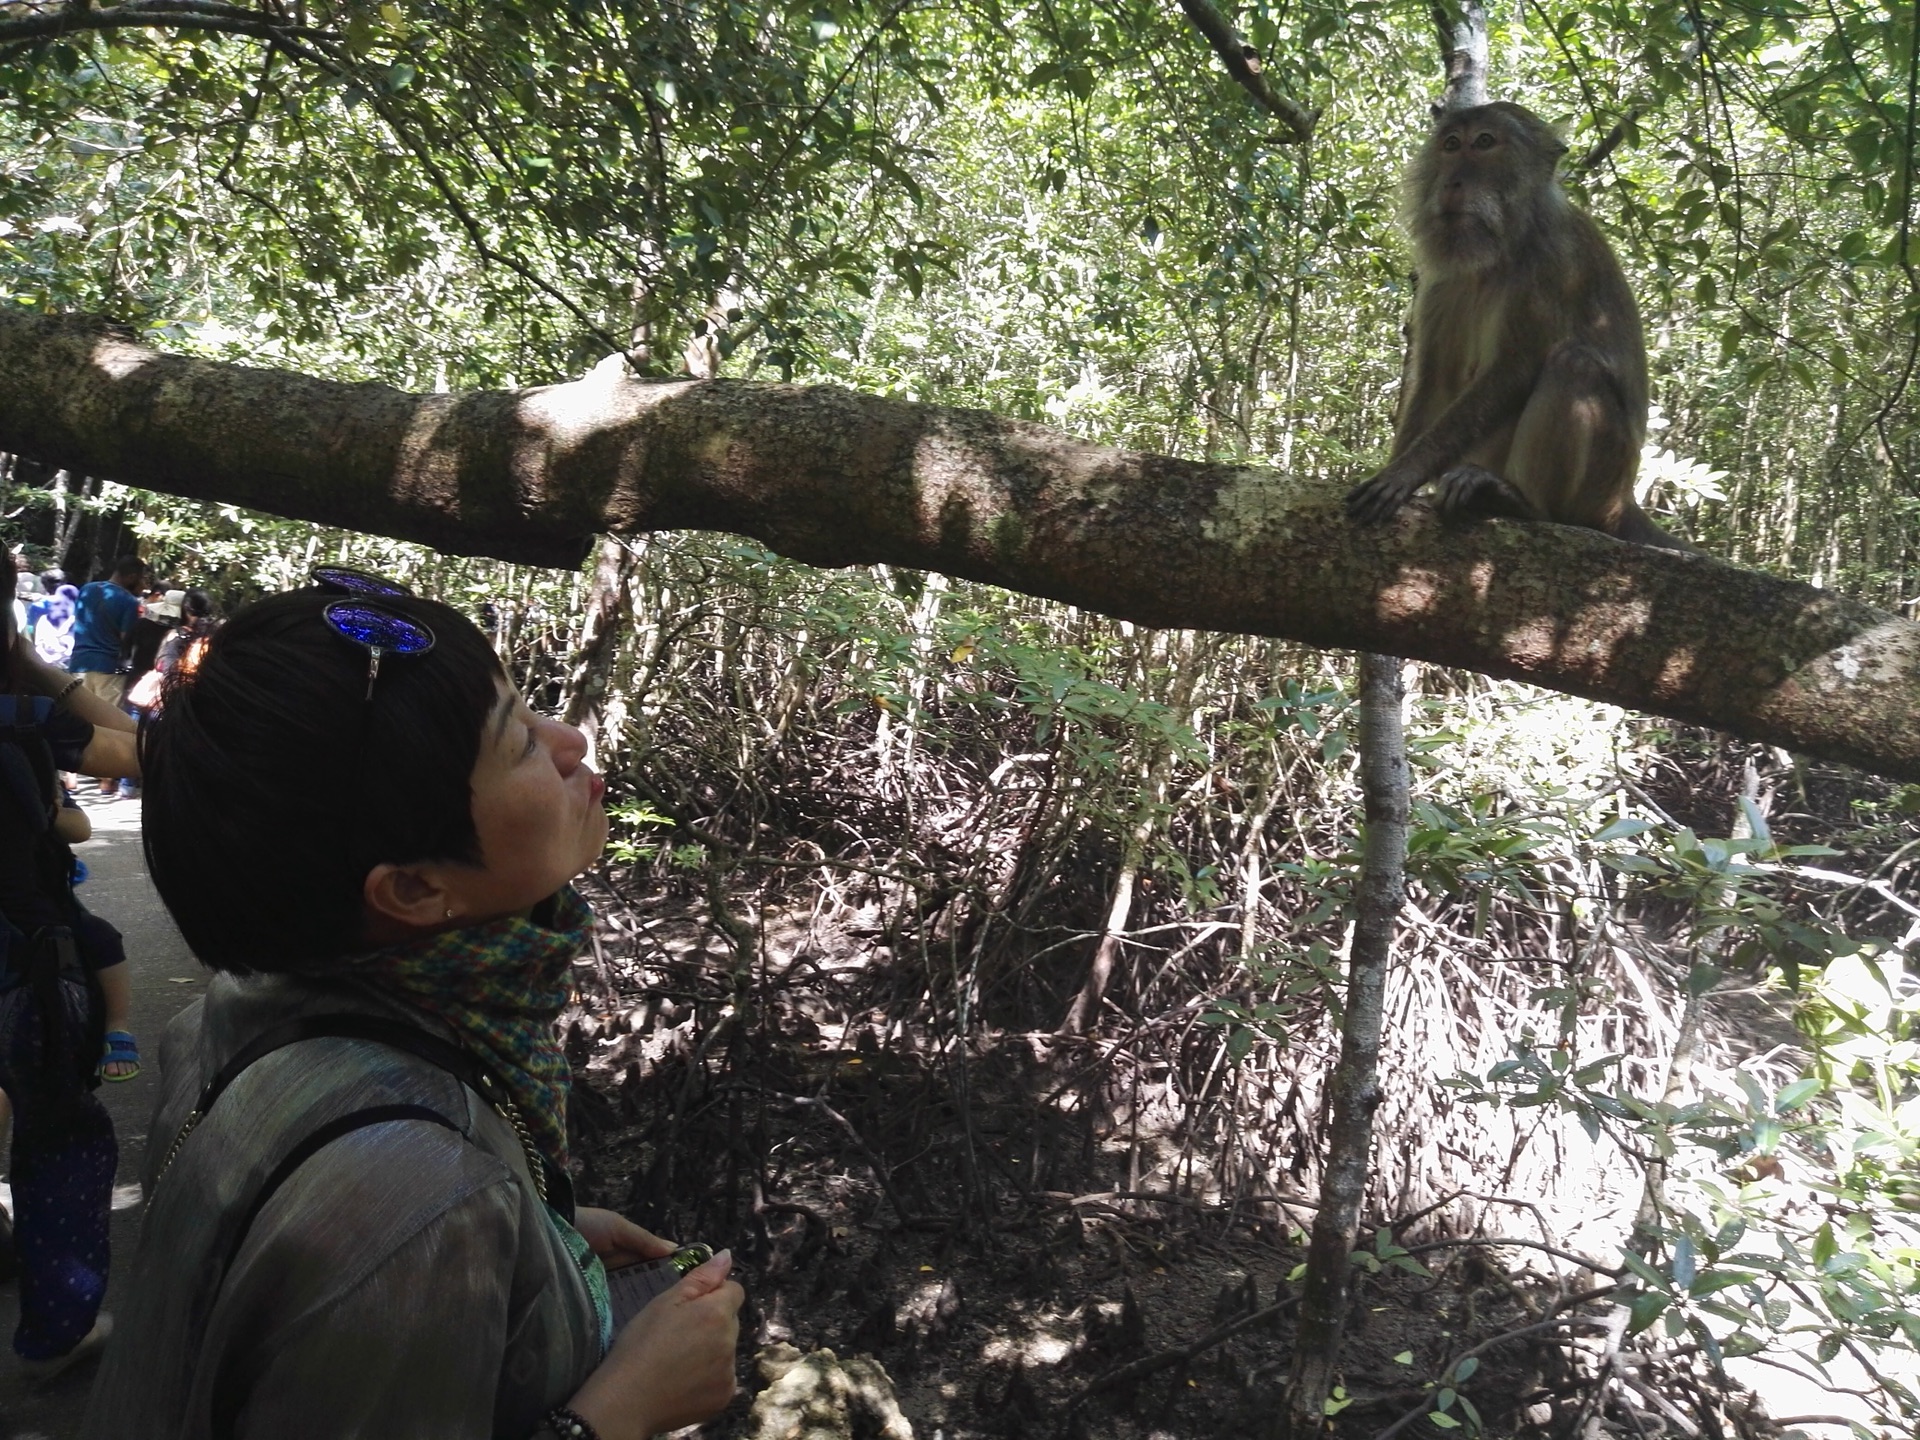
x=407 y=896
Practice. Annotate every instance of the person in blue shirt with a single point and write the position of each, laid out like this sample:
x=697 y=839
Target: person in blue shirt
x=103 y=617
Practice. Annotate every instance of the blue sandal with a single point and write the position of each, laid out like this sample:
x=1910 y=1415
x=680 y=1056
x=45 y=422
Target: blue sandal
x=121 y=1050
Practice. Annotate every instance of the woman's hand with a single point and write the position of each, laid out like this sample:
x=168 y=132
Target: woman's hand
x=673 y=1364
x=113 y=750
x=616 y=1239
x=37 y=677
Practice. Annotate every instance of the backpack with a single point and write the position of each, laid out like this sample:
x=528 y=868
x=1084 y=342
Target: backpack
x=52 y=1015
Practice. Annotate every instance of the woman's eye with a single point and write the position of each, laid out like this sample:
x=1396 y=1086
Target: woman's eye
x=533 y=742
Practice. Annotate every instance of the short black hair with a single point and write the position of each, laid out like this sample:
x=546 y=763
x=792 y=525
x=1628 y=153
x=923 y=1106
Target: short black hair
x=273 y=784
x=197 y=603
x=127 y=565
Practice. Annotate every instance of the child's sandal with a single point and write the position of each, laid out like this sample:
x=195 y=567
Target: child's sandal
x=121 y=1050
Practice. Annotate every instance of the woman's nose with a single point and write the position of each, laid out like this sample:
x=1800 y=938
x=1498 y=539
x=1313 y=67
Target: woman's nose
x=570 y=748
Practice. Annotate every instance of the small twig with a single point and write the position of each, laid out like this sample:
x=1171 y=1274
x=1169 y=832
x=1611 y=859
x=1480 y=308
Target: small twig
x=1407 y=1222
x=1105 y=1197
x=1243 y=64
x=874 y=1162
x=1180 y=1354
x=1825 y=1383
x=1491 y=1241
x=1658 y=1401
x=1784 y=1420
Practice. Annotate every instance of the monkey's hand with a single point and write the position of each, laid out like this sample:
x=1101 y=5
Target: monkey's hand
x=1381 y=498
x=1468 y=491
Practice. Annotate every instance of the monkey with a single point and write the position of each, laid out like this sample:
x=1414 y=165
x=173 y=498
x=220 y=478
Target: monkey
x=1526 y=384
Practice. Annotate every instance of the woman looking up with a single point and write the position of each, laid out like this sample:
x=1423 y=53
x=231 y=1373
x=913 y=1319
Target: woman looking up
x=366 y=1227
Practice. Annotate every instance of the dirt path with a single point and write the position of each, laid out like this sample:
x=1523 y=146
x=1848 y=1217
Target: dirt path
x=165 y=978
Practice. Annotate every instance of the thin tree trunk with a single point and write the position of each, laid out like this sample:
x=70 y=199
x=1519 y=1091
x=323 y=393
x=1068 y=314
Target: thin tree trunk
x=1150 y=815
x=1093 y=990
x=1463 y=47
x=1355 y=1092
x=607 y=603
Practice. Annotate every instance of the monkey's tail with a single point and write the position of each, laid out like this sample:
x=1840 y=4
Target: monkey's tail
x=1636 y=529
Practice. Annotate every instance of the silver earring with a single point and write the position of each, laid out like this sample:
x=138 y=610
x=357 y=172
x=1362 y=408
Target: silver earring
x=449 y=912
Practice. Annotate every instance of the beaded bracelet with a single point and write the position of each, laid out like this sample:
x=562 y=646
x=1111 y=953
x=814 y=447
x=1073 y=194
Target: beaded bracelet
x=568 y=1426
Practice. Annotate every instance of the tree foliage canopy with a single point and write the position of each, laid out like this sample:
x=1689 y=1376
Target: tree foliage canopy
x=1065 y=211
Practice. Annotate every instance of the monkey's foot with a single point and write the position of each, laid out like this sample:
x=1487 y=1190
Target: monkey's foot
x=1470 y=491
x=1382 y=497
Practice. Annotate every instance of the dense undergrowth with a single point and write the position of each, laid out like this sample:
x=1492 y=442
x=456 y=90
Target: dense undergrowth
x=938 y=919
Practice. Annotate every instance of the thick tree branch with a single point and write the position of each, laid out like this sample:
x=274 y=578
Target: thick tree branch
x=835 y=478
x=1243 y=64
x=50 y=22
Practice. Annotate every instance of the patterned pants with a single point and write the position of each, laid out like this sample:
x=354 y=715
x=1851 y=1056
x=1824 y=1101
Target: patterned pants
x=62 y=1175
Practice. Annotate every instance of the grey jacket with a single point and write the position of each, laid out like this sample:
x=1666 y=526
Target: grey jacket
x=406 y=1281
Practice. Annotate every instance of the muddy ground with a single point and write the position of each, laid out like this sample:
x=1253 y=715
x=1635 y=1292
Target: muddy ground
x=964 y=1212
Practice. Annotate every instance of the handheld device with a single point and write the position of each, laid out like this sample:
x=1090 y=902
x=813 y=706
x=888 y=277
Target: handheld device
x=631 y=1287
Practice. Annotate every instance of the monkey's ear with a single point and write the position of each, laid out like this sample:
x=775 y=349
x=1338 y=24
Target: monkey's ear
x=1436 y=110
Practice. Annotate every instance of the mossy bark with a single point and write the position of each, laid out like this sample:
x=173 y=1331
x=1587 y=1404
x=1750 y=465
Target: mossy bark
x=836 y=478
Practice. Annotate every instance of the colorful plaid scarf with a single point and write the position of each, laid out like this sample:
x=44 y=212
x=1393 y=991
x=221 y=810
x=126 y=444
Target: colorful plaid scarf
x=501 y=985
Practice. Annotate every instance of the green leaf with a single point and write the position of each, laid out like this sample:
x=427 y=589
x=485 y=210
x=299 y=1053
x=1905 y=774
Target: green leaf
x=1645 y=1271
x=1702 y=978
x=1622 y=829
x=1445 y=1422
x=1683 y=1262
x=1646 y=1307
x=1825 y=1247
x=1796 y=1095
x=1717 y=1280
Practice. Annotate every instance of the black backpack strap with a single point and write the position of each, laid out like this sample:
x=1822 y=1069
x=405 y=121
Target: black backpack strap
x=226 y=1401
x=313 y=1145
x=555 y=1185
x=443 y=1054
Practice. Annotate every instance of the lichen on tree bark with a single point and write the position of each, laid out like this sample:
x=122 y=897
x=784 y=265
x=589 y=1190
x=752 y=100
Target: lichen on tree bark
x=831 y=477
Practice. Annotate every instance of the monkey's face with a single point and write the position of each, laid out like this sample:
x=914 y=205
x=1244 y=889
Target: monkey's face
x=1474 y=185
